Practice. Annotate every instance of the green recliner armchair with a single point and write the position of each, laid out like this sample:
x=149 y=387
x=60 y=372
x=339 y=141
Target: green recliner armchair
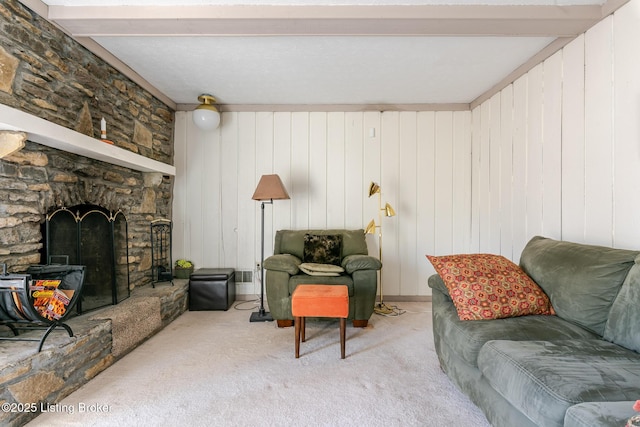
x=283 y=273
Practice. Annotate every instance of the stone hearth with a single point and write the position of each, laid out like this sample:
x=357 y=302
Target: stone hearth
x=100 y=338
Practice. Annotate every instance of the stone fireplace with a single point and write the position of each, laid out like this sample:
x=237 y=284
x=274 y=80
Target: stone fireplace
x=54 y=79
x=55 y=171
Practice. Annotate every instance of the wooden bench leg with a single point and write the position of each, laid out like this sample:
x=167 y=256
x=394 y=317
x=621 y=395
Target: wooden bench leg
x=343 y=327
x=297 y=322
x=304 y=328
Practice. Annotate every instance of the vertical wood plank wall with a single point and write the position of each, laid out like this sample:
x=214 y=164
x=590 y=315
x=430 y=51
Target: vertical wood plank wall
x=556 y=153
x=326 y=161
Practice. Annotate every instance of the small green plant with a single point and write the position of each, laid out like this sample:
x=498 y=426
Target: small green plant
x=183 y=263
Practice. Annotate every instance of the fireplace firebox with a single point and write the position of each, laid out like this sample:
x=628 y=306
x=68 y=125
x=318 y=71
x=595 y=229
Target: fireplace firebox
x=97 y=238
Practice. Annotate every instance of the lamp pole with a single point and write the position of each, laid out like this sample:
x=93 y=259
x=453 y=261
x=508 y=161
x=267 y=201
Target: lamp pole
x=262 y=315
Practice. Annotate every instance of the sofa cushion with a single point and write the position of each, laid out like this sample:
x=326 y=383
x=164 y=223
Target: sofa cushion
x=581 y=280
x=467 y=338
x=544 y=378
x=601 y=414
x=322 y=249
x=486 y=286
x=623 y=324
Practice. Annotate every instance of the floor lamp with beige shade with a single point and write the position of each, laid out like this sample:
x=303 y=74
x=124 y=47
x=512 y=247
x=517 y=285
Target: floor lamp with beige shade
x=269 y=188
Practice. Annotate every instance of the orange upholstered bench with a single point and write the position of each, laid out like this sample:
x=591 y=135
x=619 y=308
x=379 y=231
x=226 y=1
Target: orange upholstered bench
x=319 y=301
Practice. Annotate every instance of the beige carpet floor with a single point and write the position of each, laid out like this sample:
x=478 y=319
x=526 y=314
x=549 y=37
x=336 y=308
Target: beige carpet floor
x=216 y=368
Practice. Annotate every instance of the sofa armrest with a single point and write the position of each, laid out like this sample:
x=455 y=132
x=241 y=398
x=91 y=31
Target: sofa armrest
x=436 y=283
x=283 y=262
x=352 y=263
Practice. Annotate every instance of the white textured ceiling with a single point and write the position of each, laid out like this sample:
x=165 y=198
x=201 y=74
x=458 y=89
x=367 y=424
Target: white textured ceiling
x=281 y=53
x=325 y=70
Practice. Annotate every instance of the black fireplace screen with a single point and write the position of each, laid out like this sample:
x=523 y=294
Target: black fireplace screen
x=96 y=238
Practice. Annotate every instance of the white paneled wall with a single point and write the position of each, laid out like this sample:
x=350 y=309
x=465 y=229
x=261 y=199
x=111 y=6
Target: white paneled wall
x=556 y=153
x=626 y=130
x=422 y=160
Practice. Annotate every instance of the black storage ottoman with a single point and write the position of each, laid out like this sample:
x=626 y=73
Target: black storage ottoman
x=212 y=289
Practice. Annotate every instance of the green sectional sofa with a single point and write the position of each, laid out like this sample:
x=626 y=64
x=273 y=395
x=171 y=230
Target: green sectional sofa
x=283 y=273
x=578 y=368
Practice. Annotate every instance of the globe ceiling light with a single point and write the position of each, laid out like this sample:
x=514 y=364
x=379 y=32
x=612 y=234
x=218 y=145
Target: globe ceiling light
x=206 y=116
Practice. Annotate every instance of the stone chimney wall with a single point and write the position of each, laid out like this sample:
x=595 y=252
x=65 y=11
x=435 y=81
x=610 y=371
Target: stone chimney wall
x=46 y=73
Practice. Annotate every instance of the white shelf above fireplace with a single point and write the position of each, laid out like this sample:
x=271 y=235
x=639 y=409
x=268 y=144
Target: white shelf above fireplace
x=55 y=136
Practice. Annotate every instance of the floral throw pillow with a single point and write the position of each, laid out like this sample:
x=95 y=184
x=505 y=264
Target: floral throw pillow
x=485 y=286
x=322 y=249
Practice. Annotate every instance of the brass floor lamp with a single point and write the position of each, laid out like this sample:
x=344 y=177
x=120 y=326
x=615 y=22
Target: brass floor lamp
x=374 y=188
x=269 y=188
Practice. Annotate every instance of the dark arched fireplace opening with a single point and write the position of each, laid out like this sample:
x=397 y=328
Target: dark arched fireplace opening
x=95 y=237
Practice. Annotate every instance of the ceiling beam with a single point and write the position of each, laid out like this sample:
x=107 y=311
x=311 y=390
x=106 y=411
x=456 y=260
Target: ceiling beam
x=259 y=20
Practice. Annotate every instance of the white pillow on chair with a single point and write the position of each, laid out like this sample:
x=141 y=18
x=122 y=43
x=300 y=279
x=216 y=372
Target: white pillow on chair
x=315 y=269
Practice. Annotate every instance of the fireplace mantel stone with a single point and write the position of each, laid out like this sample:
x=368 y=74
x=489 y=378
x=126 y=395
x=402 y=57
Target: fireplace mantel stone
x=55 y=136
x=11 y=142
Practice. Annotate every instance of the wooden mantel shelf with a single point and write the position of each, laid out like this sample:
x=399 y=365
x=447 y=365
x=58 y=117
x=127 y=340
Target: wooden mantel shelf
x=55 y=136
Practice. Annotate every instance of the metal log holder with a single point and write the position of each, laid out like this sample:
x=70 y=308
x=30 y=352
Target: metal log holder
x=162 y=267
x=18 y=309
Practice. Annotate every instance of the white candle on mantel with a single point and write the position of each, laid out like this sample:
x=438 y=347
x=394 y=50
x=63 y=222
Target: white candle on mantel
x=103 y=128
